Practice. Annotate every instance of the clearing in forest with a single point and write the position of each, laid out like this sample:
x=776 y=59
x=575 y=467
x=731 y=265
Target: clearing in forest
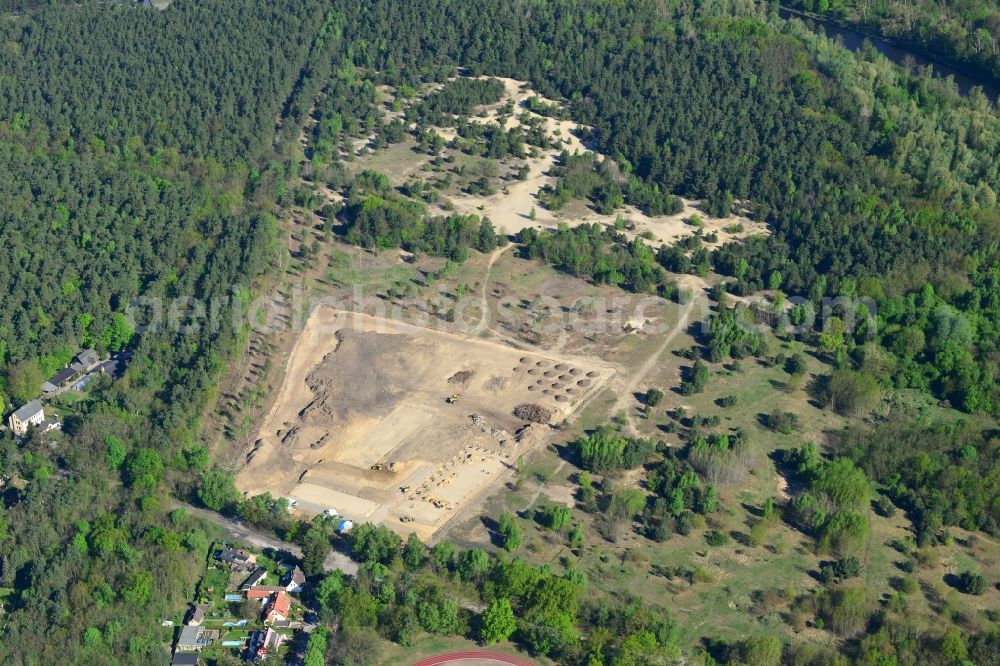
x=516 y=204
x=389 y=422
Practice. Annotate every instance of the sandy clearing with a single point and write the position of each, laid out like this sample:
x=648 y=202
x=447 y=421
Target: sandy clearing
x=361 y=423
x=510 y=208
x=347 y=505
x=397 y=427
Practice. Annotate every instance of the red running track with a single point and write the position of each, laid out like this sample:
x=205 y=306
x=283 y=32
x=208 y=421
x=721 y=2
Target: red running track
x=486 y=656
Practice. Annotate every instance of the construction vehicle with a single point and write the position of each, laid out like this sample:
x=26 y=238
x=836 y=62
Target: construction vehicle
x=453 y=398
x=378 y=467
x=438 y=504
x=404 y=489
x=406 y=519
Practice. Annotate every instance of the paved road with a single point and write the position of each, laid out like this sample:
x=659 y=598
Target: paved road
x=251 y=537
x=474 y=658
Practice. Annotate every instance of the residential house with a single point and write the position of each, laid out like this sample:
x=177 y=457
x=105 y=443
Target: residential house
x=48 y=425
x=263 y=593
x=263 y=642
x=197 y=616
x=29 y=415
x=296 y=580
x=192 y=639
x=237 y=559
x=86 y=360
x=110 y=368
x=278 y=608
x=185 y=659
x=57 y=380
x=256 y=577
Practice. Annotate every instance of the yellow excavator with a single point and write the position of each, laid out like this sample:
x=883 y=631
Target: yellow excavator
x=453 y=398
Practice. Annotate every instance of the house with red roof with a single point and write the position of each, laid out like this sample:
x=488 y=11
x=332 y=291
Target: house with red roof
x=278 y=607
x=263 y=592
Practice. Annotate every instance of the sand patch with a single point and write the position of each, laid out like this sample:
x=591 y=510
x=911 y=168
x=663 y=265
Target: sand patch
x=510 y=208
x=386 y=421
x=328 y=498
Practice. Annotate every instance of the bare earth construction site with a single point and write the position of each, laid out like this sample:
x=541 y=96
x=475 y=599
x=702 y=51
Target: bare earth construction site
x=388 y=422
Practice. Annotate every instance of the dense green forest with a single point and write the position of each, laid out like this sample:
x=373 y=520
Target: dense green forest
x=966 y=32
x=143 y=154
x=129 y=142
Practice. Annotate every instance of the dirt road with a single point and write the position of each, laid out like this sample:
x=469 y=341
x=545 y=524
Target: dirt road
x=626 y=395
x=250 y=537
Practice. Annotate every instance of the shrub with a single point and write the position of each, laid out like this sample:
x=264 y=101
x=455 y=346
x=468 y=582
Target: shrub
x=884 y=507
x=846 y=610
x=847 y=567
x=783 y=422
x=654 y=397
x=727 y=401
x=553 y=516
x=853 y=393
x=796 y=364
x=716 y=538
x=972 y=583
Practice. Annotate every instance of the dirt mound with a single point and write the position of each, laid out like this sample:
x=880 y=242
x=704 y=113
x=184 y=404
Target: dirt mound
x=533 y=413
x=530 y=435
x=496 y=383
x=461 y=377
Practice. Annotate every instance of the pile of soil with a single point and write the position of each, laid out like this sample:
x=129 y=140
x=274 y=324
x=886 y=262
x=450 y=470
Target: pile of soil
x=533 y=413
x=496 y=384
x=462 y=377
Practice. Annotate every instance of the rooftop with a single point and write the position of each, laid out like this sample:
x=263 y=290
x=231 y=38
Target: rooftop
x=62 y=376
x=263 y=591
x=27 y=411
x=255 y=577
x=191 y=638
x=282 y=604
x=88 y=357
